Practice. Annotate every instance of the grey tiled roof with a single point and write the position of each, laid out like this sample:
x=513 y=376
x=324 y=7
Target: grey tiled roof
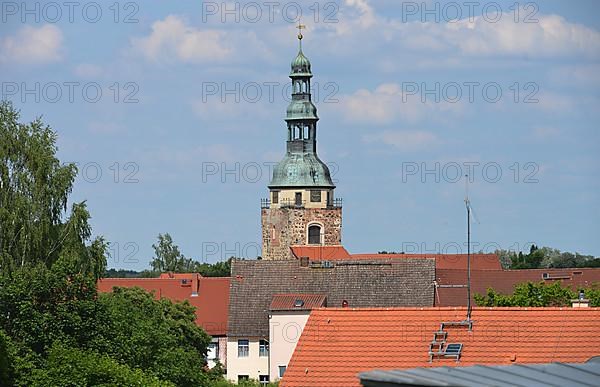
x=551 y=374
x=373 y=283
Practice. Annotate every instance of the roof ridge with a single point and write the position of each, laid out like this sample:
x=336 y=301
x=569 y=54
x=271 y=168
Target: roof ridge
x=461 y=308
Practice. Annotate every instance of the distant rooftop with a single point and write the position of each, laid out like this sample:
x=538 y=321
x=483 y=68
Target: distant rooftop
x=443 y=261
x=449 y=281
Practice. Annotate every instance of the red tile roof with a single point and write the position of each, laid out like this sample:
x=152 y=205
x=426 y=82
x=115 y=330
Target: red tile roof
x=504 y=281
x=317 y=253
x=178 y=275
x=338 y=343
x=212 y=305
x=288 y=301
x=445 y=261
x=211 y=302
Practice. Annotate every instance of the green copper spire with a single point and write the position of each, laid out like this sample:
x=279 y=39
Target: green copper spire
x=300 y=64
x=301 y=167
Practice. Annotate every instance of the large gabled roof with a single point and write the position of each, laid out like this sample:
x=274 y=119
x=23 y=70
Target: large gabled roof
x=337 y=344
x=406 y=282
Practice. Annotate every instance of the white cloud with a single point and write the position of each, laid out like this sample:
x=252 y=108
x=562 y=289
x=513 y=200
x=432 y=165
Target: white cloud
x=33 y=45
x=404 y=140
x=357 y=14
x=550 y=36
x=388 y=103
x=172 y=38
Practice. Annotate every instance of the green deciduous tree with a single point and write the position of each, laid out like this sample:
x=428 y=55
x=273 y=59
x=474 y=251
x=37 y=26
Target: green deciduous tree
x=34 y=188
x=537 y=295
x=167 y=256
x=156 y=335
x=44 y=309
x=55 y=329
x=545 y=257
x=217 y=269
x=74 y=367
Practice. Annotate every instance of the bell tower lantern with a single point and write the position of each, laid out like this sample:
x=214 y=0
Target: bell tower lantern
x=301 y=208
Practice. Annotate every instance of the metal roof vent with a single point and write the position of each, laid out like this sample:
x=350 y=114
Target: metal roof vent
x=298 y=303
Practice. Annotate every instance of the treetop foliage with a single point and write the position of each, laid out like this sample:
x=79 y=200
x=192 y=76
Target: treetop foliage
x=55 y=329
x=52 y=316
x=34 y=190
x=168 y=258
x=545 y=257
x=537 y=295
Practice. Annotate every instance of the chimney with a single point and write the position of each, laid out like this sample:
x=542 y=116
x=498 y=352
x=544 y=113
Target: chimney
x=195 y=284
x=580 y=302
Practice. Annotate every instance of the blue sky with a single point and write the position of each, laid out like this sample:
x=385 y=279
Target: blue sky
x=164 y=142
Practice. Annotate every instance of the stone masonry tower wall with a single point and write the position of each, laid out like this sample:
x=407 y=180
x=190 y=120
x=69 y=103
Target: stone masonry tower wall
x=285 y=227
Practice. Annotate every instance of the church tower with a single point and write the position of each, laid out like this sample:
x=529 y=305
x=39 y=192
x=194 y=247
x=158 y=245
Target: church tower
x=301 y=209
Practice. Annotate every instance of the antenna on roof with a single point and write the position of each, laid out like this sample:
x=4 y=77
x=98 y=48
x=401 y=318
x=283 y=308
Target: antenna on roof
x=468 y=207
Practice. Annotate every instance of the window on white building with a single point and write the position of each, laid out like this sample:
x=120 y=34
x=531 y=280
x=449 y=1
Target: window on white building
x=263 y=348
x=282 y=371
x=213 y=351
x=241 y=378
x=263 y=379
x=243 y=348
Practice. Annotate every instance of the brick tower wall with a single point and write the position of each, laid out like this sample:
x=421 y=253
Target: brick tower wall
x=290 y=225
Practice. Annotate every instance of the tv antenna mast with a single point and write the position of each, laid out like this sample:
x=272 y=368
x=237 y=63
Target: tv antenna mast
x=469 y=212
